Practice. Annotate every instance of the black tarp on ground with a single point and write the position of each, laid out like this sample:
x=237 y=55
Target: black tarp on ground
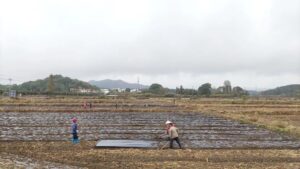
x=126 y=144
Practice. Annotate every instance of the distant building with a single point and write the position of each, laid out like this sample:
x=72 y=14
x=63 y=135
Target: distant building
x=104 y=91
x=135 y=91
x=12 y=93
x=82 y=90
x=119 y=90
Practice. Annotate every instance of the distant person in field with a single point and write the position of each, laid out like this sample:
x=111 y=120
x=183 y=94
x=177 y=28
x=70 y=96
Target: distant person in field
x=74 y=131
x=84 y=105
x=172 y=131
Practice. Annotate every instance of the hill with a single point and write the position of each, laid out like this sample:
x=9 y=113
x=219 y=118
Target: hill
x=253 y=93
x=110 y=84
x=60 y=85
x=289 y=90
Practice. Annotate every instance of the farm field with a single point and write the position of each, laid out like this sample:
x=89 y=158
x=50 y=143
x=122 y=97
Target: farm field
x=84 y=155
x=216 y=133
x=278 y=114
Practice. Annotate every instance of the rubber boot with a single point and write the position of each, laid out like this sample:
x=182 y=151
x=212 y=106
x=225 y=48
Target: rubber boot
x=76 y=141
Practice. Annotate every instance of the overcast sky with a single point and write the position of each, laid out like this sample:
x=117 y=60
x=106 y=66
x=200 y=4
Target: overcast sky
x=253 y=43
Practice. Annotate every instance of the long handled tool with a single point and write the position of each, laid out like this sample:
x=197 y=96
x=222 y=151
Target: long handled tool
x=159 y=138
x=164 y=146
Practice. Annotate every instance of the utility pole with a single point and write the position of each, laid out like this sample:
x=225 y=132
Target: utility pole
x=138 y=81
x=10 y=79
x=11 y=93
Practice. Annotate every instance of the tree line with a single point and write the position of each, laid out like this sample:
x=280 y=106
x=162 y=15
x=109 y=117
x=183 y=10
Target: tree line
x=205 y=90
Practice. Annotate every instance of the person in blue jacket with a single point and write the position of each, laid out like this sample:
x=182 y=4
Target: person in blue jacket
x=74 y=131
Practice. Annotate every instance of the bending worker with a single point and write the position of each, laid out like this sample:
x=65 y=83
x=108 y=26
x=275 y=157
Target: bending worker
x=172 y=131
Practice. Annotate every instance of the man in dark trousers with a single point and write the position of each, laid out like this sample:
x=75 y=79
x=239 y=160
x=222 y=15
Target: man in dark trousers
x=74 y=131
x=173 y=134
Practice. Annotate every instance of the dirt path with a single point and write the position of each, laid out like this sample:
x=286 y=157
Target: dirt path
x=85 y=155
x=12 y=161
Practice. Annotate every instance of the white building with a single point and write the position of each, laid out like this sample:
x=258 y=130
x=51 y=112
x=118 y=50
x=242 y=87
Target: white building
x=135 y=90
x=119 y=90
x=82 y=90
x=104 y=91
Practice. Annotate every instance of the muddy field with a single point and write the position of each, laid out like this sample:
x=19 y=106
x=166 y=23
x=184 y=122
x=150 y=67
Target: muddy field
x=34 y=133
x=197 y=130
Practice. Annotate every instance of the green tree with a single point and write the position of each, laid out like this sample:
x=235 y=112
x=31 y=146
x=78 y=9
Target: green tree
x=190 y=92
x=205 y=89
x=156 y=89
x=238 y=91
x=179 y=90
x=50 y=85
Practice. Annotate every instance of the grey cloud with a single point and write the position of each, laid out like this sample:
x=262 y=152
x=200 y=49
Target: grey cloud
x=150 y=38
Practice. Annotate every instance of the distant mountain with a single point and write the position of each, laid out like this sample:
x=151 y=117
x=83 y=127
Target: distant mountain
x=253 y=92
x=110 y=84
x=289 y=90
x=60 y=84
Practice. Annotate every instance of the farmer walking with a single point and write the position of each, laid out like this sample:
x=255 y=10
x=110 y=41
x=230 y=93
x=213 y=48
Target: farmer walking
x=172 y=131
x=74 y=131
